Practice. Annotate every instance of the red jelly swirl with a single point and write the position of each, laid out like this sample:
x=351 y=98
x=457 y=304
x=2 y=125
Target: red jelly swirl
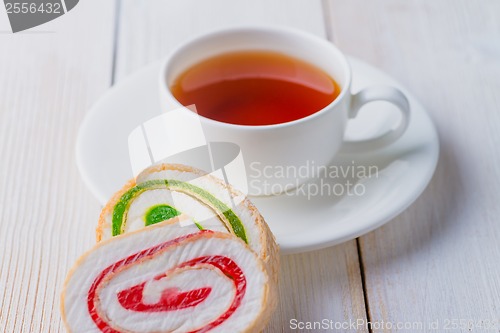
x=170 y=300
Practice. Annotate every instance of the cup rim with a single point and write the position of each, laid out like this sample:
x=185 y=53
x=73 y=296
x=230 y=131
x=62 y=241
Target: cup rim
x=261 y=28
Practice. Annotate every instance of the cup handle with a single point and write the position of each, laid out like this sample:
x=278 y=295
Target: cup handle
x=378 y=93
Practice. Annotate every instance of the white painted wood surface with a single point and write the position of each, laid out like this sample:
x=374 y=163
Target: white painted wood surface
x=438 y=260
x=49 y=77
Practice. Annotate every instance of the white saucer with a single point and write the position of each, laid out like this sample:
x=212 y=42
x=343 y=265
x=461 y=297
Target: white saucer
x=299 y=224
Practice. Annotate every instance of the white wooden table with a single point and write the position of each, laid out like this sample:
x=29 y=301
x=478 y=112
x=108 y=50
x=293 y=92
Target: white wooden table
x=438 y=261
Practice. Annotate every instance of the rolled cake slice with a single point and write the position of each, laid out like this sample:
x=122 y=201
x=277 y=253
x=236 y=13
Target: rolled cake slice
x=168 y=278
x=164 y=191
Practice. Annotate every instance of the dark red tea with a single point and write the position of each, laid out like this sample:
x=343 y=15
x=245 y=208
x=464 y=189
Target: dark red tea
x=255 y=88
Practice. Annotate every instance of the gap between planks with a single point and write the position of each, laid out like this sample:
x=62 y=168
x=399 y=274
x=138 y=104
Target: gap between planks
x=327 y=8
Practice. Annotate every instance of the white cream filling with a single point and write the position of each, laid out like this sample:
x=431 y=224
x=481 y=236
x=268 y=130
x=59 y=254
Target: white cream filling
x=120 y=247
x=253 y=232
x=217 y=302
x=184 y=203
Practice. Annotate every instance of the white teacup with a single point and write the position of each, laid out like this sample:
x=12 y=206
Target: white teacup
x=314 y=139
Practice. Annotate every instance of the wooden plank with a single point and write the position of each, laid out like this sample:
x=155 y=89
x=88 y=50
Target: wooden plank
x=320 y=285
x=50 y=75
x=439 y=259
x=314 y=286
x=151 y=29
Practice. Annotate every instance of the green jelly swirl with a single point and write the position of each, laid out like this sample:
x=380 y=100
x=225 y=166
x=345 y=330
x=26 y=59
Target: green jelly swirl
x=121 y=208
x=160 y=213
